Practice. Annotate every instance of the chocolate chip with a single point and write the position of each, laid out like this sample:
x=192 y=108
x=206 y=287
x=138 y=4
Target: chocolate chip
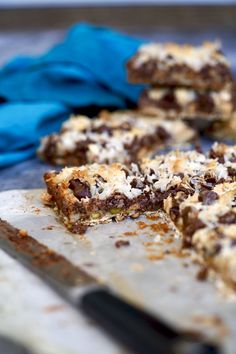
x=102 y=129
x=152 y=172
x=136 y=184
x=117 y=201
x=168 y=101
x=208 y=198
x=122 y=243
x=198 y=147
x=100 y=178
x=80 y=189
x=209 y=183
x=191 y=224
x=125 y=126
x=180 y=174
x=218 y=248
x=174 y=213
x=231 y=172
x=78 y=229
x=214 y=155
x=163 y=135
x=204 y=103
x=202 y=274
x=126 y=172
x=228 y=218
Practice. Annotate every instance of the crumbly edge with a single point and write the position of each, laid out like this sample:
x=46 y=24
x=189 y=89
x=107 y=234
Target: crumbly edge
x=214 y=261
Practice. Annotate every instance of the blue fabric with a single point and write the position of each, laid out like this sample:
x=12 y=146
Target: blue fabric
x=87 y=68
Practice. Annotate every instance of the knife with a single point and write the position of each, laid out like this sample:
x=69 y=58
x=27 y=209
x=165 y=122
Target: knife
x=131 y=326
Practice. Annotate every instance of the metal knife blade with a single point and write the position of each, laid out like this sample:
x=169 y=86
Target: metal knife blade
x=132 y=327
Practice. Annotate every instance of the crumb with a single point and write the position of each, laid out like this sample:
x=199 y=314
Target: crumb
x=122 y=243
x=202 y=274
x=156 y=256
x=180 y=253
x=169 y=240
x=142 y=225
x=46 y=199
x=137 y=267
x=54 y=308
x=152 y=217
x=130 y=233
x=23 y=233
x=50 y=227
x=159 y=227
x=37 y=210
x=151 y=244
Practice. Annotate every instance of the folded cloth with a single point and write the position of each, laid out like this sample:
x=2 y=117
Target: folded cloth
x=87 y=68
x=22 y=125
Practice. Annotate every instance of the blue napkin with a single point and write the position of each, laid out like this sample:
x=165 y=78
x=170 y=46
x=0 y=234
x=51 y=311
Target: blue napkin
x=87 y=68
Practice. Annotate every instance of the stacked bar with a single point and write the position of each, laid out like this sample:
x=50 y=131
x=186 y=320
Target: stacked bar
x=186 y=82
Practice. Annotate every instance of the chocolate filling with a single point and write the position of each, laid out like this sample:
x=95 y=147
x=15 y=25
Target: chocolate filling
x=191 y=224
x=157 y=72
x=78 y=156
x=228 y=218
x=217 y=155
x=231 y=171
x=80 y=189
x=203 y=103
x=208 y=197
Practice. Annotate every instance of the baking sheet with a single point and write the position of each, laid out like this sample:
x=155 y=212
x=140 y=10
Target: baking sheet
x=164 y=284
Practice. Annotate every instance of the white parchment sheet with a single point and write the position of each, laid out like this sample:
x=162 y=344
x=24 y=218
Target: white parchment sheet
x=166 y=286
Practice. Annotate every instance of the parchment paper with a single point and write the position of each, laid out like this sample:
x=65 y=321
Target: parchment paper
x=166 y=286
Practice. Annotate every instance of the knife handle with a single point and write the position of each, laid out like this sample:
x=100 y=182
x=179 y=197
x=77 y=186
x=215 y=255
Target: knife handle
x=136 y=329
x=132 y=327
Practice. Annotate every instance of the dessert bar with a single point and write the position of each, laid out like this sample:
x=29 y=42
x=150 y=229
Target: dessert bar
x=122 y=136
x=187 y=103
x=209 y=225
x=203 y=67
x=197 y=191
x=92 y=194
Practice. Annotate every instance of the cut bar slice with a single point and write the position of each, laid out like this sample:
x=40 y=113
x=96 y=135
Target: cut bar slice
x=197 y=191
x=122 y=136
x=209 y=225
x=186 y=103
x=170 y=64
x=177 y=175
x=93 y=194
